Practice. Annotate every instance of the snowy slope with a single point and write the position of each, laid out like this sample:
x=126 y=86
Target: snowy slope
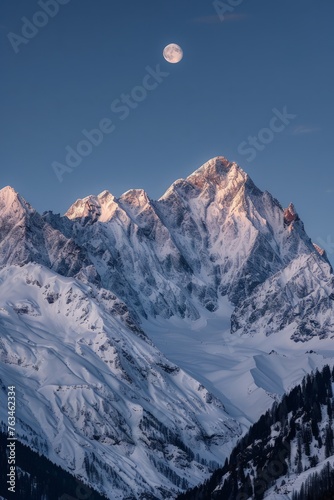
x=248 y=373
x=96 y=396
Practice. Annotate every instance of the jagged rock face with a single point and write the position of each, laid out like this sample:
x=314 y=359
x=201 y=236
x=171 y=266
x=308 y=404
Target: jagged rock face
x=320 y=250
x=93 y=208
x=133 y=253
x=26 y=237
x=291 y=298
x=211 y=234
x=290 y=214
x=218 y=217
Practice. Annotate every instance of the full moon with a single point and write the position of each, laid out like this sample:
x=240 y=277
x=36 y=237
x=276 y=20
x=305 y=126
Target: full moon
x=173 y=53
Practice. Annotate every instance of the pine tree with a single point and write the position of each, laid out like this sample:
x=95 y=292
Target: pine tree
x=329 y=409
x=307 y=438
x=329 y=441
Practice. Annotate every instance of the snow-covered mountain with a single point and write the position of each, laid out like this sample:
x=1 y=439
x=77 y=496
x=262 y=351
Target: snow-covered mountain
x=144 y=335
x=94 y=393
x=26 y=237
x=213 y=234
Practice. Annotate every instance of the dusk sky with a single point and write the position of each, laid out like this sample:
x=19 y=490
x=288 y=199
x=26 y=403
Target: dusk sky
x=242 y=70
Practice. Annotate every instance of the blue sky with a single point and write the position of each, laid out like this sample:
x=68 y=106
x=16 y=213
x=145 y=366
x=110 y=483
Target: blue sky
x=258 y=56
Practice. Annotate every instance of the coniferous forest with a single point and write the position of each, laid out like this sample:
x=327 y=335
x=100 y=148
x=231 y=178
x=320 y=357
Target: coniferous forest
x=294 y=436
x=319 y=485
x=38 y=478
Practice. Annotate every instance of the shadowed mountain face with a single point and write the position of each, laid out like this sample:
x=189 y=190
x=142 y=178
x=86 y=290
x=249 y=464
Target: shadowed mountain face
x=26 y=237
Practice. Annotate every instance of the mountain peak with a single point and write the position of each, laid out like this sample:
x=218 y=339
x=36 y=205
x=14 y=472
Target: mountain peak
x=137 y=197
x=217 y=171
x=7 y=189
x=134 y=202
x=290 y=214
x=86 y=207
x=8 y=194
x=12 y=202
x=215 y=176
x=105 y=194
x=108 y=205
x=217 y=164
x=93 y=207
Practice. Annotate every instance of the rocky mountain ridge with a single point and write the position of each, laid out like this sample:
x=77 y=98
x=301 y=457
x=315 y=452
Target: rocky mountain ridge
x=212 y=234
x=152 y=332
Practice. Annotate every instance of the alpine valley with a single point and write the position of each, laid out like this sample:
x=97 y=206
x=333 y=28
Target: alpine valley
x=144 y=338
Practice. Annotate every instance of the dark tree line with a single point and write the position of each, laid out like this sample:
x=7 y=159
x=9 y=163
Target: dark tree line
x=37 y=477
x=318 y=486
x=258 y=461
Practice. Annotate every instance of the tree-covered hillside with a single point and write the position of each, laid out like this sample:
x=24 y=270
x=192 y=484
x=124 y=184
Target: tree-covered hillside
x=38 y=478
x=292 y=438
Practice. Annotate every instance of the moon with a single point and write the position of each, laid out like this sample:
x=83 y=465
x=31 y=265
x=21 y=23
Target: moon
x=173 y=53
